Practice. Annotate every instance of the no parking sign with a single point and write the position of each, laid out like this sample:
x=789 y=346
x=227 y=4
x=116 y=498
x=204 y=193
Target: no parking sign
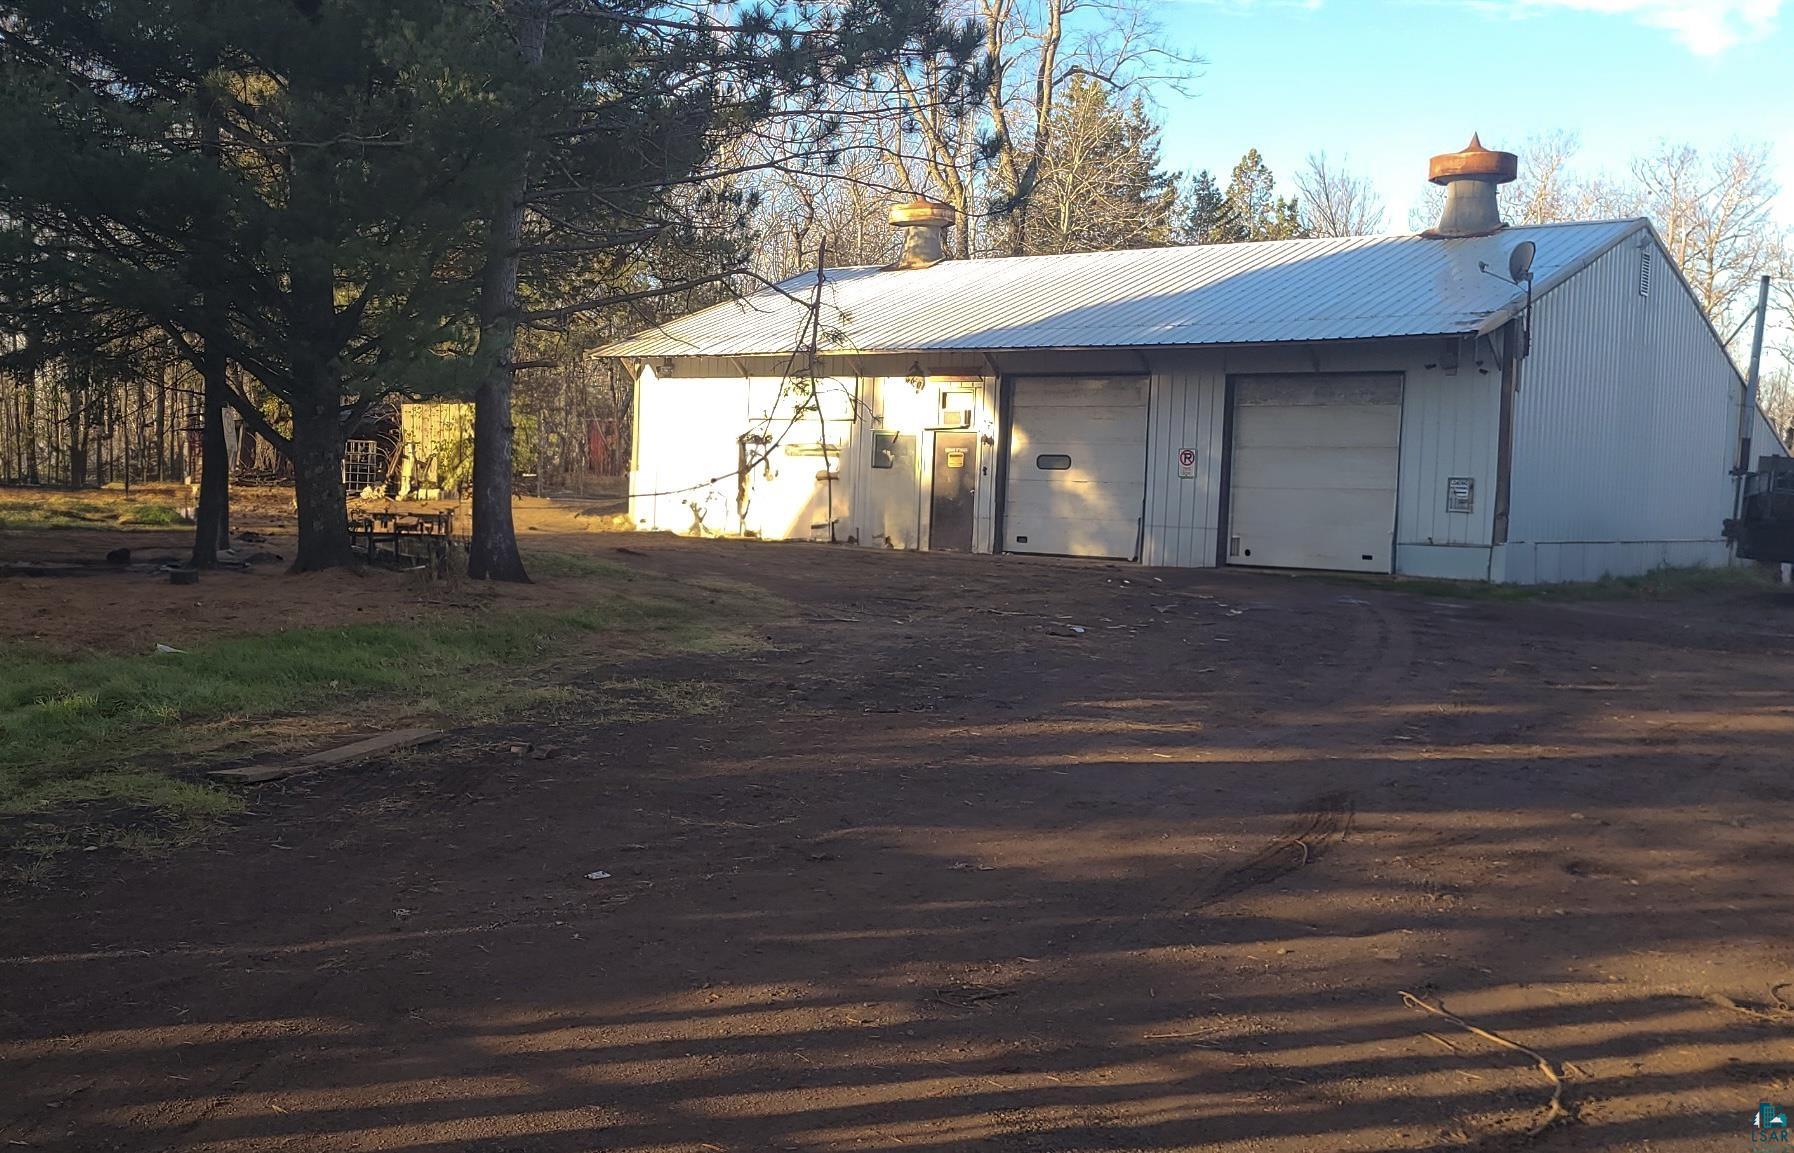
x=1186 y=463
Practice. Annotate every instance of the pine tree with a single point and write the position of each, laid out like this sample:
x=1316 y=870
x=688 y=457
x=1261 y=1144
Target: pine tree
x=1252 y=200
x=616 y=201
x=1286 y=221
x=398 y=187
x=1100 y=185
x=323 y=244
x=1208 y=216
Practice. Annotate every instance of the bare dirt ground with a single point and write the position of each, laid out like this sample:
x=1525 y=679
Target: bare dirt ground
x=946 y=873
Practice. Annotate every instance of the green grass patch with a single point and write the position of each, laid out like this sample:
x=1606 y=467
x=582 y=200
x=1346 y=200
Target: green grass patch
x=563 y=564
x=53 y=512
x=75 y=732
x=151 y=516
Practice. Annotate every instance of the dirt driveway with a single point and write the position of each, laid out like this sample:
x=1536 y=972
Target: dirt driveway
x=946 y=872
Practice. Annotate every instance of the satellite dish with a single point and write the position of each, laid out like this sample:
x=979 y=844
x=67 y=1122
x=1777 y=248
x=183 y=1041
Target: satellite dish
x=1519 y=261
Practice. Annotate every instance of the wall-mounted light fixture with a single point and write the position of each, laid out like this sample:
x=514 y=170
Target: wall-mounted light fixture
x=918 y=379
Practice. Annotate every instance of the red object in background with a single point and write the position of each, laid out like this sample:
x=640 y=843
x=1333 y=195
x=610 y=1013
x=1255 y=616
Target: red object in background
x=196 y=448
x=603 y=447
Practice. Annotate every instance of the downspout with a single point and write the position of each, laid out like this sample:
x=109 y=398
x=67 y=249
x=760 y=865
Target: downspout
x=1504 y=451
x=1005 y=418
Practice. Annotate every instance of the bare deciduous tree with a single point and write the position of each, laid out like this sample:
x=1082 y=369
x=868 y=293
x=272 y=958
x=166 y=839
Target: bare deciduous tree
x=1100 y=186
x=988 y=167
x=1713 y=210
x=843 y=209
x=1714 y=214
x=1545 y=189
x=1045 y=45
x=1775 y=396
x=1335 y=201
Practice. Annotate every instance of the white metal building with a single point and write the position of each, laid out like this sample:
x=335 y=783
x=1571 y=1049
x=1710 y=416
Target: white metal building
x=1362 y=404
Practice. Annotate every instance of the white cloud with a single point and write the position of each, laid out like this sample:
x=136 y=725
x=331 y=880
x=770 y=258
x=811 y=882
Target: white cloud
x=1707 y=27
x=1245 y=6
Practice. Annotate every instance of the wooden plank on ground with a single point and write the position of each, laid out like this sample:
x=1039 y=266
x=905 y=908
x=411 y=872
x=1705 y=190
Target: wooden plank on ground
x=333 y=758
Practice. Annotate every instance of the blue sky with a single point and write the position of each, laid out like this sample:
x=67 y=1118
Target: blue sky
x=1388 y=83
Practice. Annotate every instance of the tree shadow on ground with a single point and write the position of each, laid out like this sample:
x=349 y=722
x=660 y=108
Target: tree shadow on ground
x=958 y=882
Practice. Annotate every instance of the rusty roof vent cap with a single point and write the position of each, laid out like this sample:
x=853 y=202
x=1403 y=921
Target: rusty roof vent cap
x=1471 y=178
x=1476 y=162
x=924 y=222
x=923 y=211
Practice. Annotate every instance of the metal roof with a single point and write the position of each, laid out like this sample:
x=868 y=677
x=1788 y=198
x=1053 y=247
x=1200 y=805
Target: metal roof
x=1261 y=293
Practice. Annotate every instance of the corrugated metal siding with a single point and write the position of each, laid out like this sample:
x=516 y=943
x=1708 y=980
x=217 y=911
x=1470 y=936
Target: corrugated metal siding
x=1276 y=291
x=688 y=423
x=1624 y=428
x=786 y=499
x=1449 y=429
x=687 y=426
x=1187 y=410
x=685 y=432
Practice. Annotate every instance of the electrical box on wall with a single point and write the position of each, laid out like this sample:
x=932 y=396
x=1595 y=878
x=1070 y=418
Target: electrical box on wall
x=1460 y=494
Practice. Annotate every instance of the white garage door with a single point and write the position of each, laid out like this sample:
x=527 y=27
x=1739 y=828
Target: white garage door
x=1076 y=484
x=1315 y=461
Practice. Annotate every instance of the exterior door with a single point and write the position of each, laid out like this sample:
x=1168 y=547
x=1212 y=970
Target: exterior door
x=955 y=484
x=1313 y=478
x=1076 y=481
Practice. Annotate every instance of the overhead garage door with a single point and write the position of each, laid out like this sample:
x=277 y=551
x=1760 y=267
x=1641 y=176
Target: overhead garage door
x=1315 y=461
x=1076 y=482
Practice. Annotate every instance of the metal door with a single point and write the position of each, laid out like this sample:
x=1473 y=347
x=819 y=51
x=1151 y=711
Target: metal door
x=1315 y=464
x=955 y=482
x=1076 y=484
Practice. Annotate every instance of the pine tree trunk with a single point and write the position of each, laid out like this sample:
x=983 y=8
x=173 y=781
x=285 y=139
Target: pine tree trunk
x=77 y=417
x=212 y=520
x=53 y=435
x=318 y=487
x=15 y=444
x=162 y=425
x=492 y=551
x=211 y=529
x=31 y=473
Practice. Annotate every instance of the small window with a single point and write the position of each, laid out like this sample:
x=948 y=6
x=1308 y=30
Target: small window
x=957 y=400
x=884 y=449
x=1052 y=462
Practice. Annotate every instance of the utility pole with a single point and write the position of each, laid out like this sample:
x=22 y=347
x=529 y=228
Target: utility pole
x=1748 y=410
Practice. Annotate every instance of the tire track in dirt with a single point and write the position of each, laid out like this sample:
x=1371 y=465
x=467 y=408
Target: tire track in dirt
x=1319 y=828
x=1386 y=641
x=1381 y=666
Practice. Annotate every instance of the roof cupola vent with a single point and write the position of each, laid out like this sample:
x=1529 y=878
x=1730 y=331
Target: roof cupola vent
x=924 y=223
x=1470 y=179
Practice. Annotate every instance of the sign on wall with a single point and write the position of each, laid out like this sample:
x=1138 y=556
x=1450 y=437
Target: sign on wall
x=1186 y=463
